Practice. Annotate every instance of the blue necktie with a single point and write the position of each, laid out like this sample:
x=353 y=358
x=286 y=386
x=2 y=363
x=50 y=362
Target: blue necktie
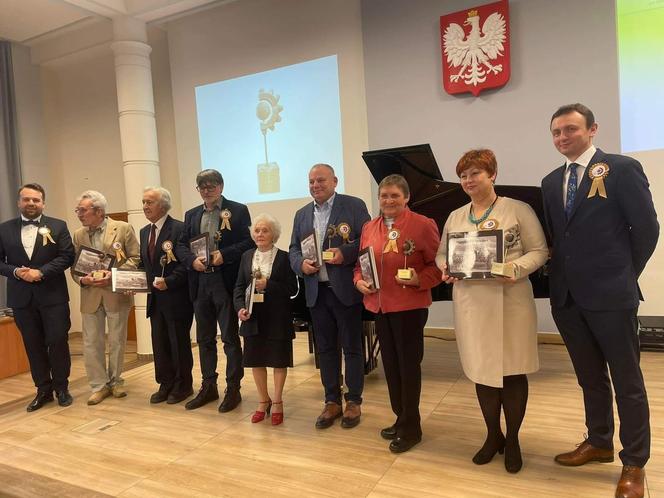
x=571 y=189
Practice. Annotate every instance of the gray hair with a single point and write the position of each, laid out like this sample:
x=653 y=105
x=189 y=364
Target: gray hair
x=397 y=181
x=97 y=198
x=323 y=165
x=271 y=221
x=164 y=196
x=209 y=176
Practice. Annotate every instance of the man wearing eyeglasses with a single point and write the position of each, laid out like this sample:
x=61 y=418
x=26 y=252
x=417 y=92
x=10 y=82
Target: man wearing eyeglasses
x=102 y=309
x=35 y=251
x=211 y=282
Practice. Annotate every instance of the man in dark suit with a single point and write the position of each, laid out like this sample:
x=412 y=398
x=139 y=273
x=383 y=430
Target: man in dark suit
x=335 y=304
x=169 y=309
x=602 y=222
x=211 y=284
x=35 y=251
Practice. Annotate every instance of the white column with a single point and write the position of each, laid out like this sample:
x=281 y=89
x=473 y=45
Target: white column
x=138 y=134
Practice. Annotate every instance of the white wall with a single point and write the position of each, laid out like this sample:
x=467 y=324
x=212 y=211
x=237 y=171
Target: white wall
x=561 y=52
x=256 y=35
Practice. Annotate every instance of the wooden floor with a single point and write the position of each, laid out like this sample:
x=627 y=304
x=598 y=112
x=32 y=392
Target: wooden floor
x=126 y=447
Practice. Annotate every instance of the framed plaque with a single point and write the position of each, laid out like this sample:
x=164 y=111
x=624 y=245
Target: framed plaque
x=200 y=246
x=470 y=255
x=129 y=280
x=311 y=248
x=89 y=260
x=368 y=267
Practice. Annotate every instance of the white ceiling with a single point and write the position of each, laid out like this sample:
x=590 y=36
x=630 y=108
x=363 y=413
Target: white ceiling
x=28 y=21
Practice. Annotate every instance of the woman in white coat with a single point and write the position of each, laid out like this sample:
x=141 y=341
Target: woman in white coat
x=495 y=319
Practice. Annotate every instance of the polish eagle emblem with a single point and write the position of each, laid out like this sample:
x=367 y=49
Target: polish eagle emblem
x=475 y=60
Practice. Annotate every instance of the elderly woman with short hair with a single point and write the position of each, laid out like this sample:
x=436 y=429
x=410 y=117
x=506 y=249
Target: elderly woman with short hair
x=268 y=330
x=401 y=239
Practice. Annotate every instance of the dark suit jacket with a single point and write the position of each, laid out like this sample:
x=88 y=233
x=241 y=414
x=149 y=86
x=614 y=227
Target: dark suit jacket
x=273 y=316
x=175 y=299
x=51 y=259
x=233 y=244
x=346 y=209
x=600 y=252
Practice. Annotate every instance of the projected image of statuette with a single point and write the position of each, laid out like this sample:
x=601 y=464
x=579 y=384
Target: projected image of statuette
x=268 y=112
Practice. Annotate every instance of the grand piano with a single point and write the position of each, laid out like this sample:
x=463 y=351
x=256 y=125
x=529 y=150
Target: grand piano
x=431 y=196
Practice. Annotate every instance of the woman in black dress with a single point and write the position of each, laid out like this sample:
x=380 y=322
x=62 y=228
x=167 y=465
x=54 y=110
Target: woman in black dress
x=268 y=330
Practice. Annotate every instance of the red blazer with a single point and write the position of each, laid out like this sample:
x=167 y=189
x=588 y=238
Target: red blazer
x=392 y=296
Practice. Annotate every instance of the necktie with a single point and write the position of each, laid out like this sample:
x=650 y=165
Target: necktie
x=571 y=189
x=29 y=222
x=152 y=242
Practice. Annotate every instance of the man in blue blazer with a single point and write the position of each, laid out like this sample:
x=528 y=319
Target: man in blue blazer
x=335 y=304
x=211 y=284
x=168 y=306
x=603 y=226
x=35 y=251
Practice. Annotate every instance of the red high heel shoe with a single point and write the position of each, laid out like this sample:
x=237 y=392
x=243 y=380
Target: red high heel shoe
x=258 y=415
x=277 y=417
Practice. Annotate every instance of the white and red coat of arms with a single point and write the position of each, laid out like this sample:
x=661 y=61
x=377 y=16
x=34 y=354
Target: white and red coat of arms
x=476 y=59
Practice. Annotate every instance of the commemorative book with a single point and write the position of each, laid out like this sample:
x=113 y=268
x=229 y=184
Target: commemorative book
x=368 y=267
x=311 y=248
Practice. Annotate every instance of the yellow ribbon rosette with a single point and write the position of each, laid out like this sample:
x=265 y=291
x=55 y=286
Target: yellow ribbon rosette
x=597 y=173
x=167 y=246
x=225 y=216
x=119 y=253
x=45 y=232
x=391 y=245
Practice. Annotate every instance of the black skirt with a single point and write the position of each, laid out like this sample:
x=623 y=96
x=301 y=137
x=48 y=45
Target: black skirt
x=260 y=351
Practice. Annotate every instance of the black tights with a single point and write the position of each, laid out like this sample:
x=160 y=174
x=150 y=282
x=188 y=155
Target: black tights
x=513 y=397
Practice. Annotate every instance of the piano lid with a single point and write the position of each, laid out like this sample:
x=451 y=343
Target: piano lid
x=431 y=196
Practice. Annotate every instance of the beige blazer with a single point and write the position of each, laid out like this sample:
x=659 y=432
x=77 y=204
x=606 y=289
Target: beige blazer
x=93 y=297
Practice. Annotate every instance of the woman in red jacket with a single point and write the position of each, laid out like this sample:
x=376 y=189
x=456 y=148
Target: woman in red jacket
x=401 y=240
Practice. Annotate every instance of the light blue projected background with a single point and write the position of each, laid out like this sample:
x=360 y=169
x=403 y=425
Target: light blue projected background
x=309 y=132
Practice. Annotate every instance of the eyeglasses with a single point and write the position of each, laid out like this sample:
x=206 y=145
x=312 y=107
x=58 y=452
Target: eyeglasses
x=207 y=188
x=82 y=210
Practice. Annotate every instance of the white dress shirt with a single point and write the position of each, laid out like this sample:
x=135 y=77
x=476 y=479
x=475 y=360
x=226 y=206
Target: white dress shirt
x=582 y=163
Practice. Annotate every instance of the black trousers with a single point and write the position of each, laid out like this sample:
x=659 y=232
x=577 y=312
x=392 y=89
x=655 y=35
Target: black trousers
x=214 y=306
x=45 y=331
x=595 y=340
x=401 y=338
x=171 y=346
x=337 y=324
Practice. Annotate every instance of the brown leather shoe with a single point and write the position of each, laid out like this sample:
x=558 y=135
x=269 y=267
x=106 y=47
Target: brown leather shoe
x=331 y=412
x=583 y=454
x=630 y=484
x=352 y=415
x=99 y=396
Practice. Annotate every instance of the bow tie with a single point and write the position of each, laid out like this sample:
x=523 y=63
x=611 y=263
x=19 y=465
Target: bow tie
x=29 y=222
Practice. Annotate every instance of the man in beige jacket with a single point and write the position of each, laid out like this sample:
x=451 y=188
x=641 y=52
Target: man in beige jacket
x=99 y=305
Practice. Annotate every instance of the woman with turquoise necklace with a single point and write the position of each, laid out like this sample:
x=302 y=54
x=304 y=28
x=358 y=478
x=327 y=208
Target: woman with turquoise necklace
x=495 y=320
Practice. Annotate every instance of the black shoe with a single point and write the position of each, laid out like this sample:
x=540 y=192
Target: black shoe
x=389 y=433
x=174 y=397
x=513 y=461
x=64 y=398
x=231 y=399
x=207 y=393
x=40 y=400
x=401 y=444
x=160 y=396
x=489 y=450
